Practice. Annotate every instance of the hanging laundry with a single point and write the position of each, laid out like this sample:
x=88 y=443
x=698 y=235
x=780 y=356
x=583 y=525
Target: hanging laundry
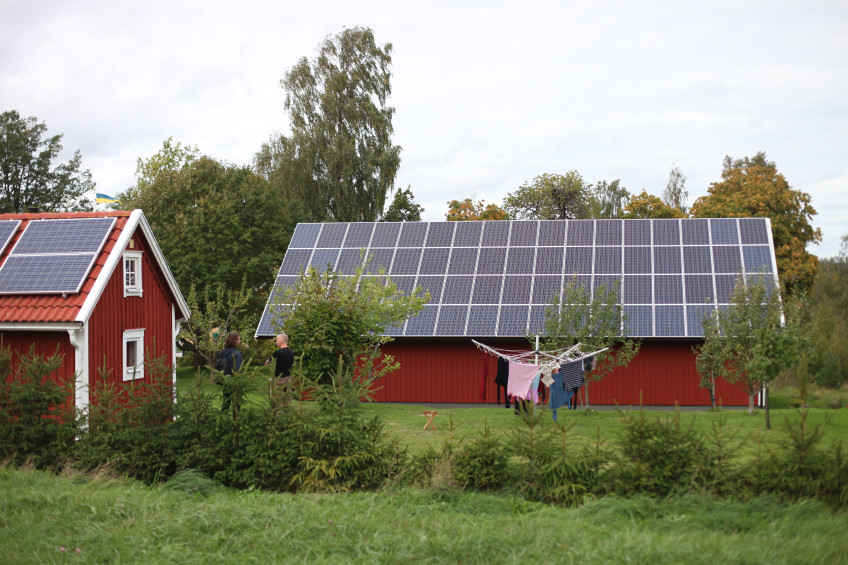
x=572 y=374
x=520 y=378
x=559 y=395
x=502 y=379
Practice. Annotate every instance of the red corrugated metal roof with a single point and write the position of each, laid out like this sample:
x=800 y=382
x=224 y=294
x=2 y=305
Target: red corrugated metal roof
x=54 y=308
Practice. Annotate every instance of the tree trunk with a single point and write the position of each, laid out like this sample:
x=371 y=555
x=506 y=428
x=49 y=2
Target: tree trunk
x=712 y=391
x=750 y=403
x=768 y=419
x=586 y=396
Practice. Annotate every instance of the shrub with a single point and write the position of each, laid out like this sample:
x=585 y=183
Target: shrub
x=481 y=464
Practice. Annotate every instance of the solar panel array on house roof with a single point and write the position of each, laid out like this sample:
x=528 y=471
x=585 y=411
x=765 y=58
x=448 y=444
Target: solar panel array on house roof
x=496 y=278
x=7 y=230
x=53 y=256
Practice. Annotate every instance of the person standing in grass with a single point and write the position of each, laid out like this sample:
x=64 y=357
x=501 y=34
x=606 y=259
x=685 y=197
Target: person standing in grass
x=229 y=360
x=283 y=359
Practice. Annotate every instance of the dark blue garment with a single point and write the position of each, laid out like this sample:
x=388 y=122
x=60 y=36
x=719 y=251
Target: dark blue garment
x=559 y=395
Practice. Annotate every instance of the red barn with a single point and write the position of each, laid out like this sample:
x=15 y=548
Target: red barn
x=93 y=284
x=493 y=281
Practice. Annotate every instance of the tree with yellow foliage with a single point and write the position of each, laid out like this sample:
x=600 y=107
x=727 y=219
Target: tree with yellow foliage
x=461 y=210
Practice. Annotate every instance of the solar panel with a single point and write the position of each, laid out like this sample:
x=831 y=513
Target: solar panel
x=53 y=256
x=496 y=278
x=7 y=230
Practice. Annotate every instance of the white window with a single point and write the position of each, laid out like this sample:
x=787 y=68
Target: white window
x=132 y=273
x=133 y=354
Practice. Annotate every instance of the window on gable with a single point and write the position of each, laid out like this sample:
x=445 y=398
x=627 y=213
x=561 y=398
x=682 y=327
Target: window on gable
x=132 y=273
x=133 y=354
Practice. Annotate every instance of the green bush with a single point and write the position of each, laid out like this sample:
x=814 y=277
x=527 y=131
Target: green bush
x=481 y=464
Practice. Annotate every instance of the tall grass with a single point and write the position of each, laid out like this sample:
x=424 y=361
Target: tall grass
x=119 y=521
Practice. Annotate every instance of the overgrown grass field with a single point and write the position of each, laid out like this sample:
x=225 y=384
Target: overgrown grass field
x=57 y=519
x=98 y=517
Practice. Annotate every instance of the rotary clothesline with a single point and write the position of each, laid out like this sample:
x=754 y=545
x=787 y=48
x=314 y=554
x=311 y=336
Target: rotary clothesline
x=559 y=356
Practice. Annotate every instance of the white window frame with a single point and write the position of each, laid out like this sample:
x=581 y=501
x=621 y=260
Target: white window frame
x=133 y=372
x=134 y=287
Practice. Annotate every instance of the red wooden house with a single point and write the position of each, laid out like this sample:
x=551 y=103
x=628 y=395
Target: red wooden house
x=93 y=284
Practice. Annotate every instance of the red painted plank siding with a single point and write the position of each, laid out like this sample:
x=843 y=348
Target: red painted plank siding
x=45 y=345
x=115 y=313
x=450 y=370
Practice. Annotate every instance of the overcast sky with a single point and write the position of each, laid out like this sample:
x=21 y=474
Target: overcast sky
x=488 y=94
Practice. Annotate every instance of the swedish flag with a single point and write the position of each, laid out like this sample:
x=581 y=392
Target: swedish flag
x=105 y=199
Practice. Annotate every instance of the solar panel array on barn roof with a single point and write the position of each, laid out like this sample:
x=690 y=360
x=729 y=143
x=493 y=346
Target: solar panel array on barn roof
x=495 y=278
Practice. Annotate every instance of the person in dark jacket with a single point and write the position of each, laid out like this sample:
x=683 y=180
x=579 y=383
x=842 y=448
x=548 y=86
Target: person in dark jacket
x=283 y=359
x=229 y=360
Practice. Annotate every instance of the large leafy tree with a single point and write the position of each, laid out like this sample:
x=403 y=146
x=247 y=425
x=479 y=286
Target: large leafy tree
x=339 y=160
x=675 y=194
x=551 y=197
x=752 y=187
x=171 y=158
x=217 y=224
x=462 y=210
x=593 y=319
x=609 y=198
x=328 y=317
x=28 y=176
x=403 y=208
x=830 y=313
x=647 y=206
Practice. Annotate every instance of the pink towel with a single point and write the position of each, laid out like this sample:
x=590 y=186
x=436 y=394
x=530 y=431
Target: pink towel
x=520 y=378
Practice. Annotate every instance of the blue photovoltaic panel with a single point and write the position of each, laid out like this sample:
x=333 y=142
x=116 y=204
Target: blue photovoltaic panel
x=332 y=235
x=79 y=235
x=753 y=230
x=434 y=261
x=504 y=274
x=697 y=259
x=520 y=260
x=578 y=260
x=386 y=234
x=305 y=236
x=667 y=260
x=694 y=315
x=727 y=259
x=295 y=261
x=637 y=232
x=495 y=234
x=516 y=289
x=696 y=231
x=638 y=320
x=607 y=284
x=551 y=233
x=523 y=234
x=549 y=260
x=53 y=256
x=424 y=323
x=580 y=232
x=463 y=261
x=440 y=234
x=359 y=235
x=637 y=260
x=666 y=232
x=724 y=231
x=324 y=259
x=482 y=320
x=608 y=232
x=39 y=274
x=468 y=234
x=546 y=289
x=452 y=320
x=7 y=230
x=757 y=258
x=513 y=321
x=457 y=290
x=492 y=260
x=487 y=290
x=406 y=261
x=433 y=285
x=607 y=260
x=412 y=234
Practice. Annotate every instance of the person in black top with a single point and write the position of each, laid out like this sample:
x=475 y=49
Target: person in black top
x=228 y=360
x=283 y=359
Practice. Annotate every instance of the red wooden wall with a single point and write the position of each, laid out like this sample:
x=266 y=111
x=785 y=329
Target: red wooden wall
x=450 y=371
x=45 y=345
x=115 y=313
